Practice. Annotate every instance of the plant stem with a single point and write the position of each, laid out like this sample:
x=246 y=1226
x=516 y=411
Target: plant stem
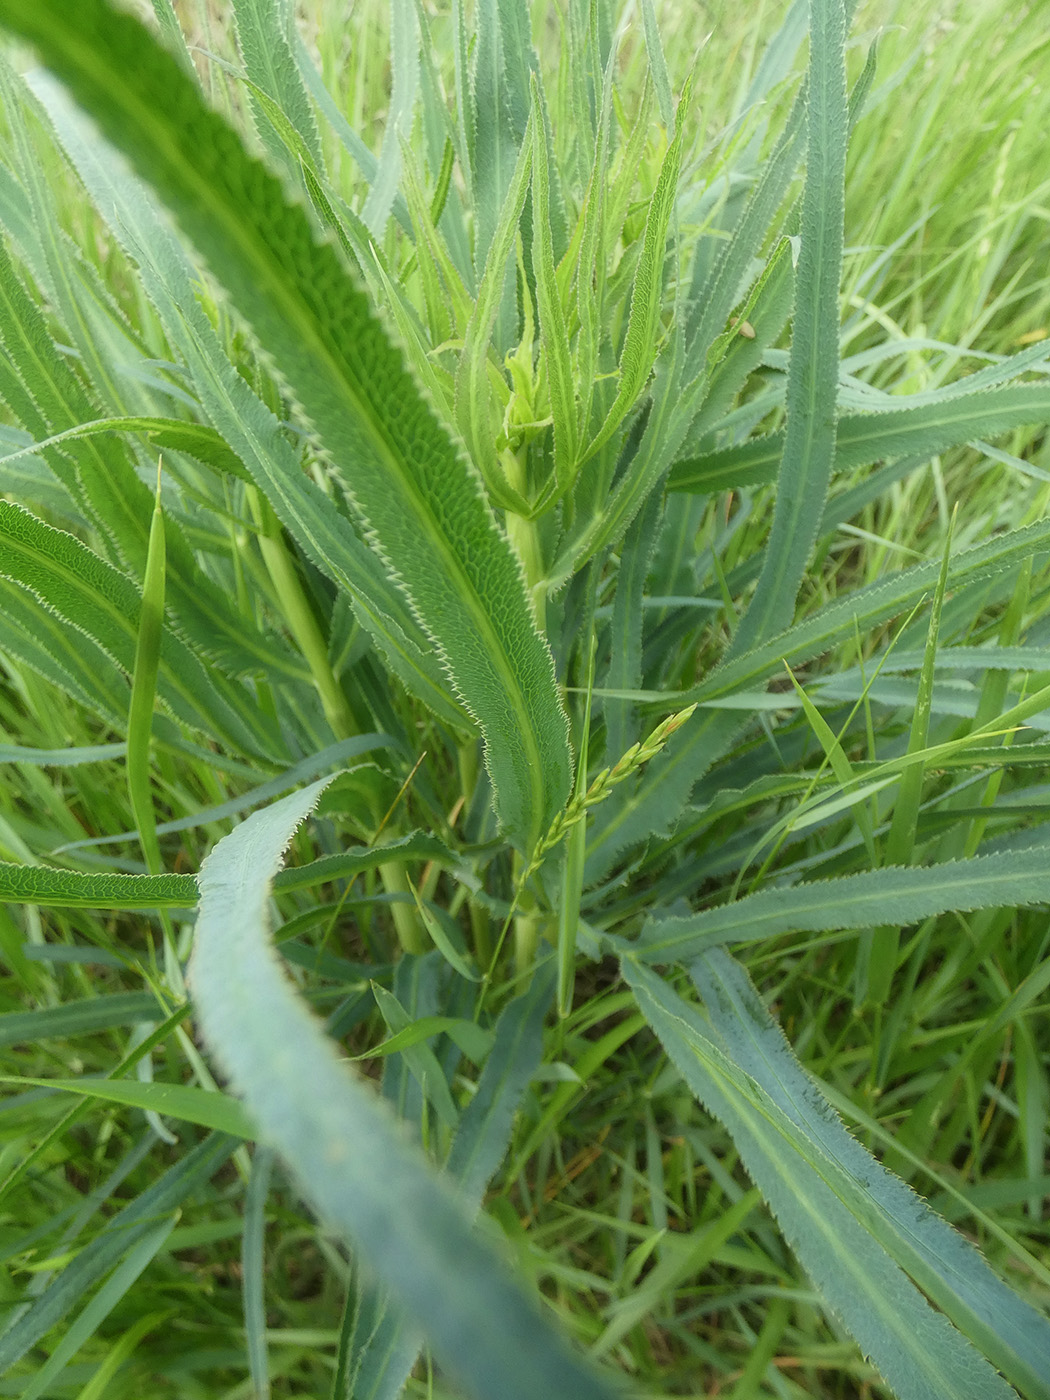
x=525 y=537
x=305 y=629
x=300 y=617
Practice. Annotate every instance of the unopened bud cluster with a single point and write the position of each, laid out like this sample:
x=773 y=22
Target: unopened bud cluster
x=606 y=780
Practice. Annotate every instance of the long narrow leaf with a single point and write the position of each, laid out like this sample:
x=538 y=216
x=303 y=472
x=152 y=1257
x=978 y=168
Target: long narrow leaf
x=411 y=485
x=809 y=445
x=898 y=895
x=478 y=1147
x=356 y=1168
x=918 y=1352
x=121 y=1233
x=862 y=438
x=948 y=1269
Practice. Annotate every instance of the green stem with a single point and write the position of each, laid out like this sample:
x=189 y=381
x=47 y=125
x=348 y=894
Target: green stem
x=305 y=629
x=480 y=923
x=525 y=536
x=300 y=618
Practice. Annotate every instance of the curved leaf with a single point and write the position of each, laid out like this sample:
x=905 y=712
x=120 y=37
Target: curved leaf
x=863 y=438
x=947 y=1267
x=918 y=1352
x=896 y=895
x=411 y=485
x=349 y=1156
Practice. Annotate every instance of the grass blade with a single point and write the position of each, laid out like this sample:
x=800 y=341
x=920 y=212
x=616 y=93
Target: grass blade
x=919 y=1353
x=948 y=1269
x=480 y=1142
x=144 y=690
x=121 y=1234
x=809 y=445
x=410 y=484
x=640 y=342
x=254 y=1267
x=206 y=1107
x=407 y=1222
x=898 y=895
x=79 y=1017
x=863 y=438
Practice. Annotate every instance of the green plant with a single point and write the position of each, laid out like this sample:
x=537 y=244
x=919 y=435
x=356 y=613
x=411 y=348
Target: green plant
x=461 y=458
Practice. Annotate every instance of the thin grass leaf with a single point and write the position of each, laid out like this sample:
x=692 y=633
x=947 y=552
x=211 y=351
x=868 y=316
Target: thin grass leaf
x=418 y=1058
x=196 y=439
x=253 y=1263
x=61 y=758
x=410 y=484
x=473 y=414
x=94 y=1314
x=404 y=65
x=82 y=1017
x=206 y=1107
x=335 y=755
x=625 y=649
x=843 y=770
x=434 y=258
x=863 y=438
x=337 y=122
x=809 y=444
x=714 y=301
x=897 y=895
x=865 y=607
x=497 y=111
x=381 y=1364
x=920 y=1355
x=408 y=1224
x=655 y=805
x=95 y=599
x=575 y=852
x=657 y=64
x=592 y=232
x=555 y=360
x=955 y=1277
x=900 y=840
x=640 y=343
x=121 y=1233
x=144 y=690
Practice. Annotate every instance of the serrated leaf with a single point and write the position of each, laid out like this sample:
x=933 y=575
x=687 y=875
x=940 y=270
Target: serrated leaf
x=863 y=438
x=352 y=1162
x=809 y=443
x=950 y=1271
x=640 y=342
x=268 y=61
x=73 y=889
x=411 y=486
x=900 y=895
x=917 y=1351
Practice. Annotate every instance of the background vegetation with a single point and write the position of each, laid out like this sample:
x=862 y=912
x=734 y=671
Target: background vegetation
x=145 y=1254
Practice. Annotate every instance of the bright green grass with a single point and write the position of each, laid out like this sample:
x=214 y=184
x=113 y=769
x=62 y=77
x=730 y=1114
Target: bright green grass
x=617 y=1199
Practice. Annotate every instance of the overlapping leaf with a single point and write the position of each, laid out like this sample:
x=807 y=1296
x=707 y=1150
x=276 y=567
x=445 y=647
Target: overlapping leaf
x=414 y=490
x=351 y=1160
